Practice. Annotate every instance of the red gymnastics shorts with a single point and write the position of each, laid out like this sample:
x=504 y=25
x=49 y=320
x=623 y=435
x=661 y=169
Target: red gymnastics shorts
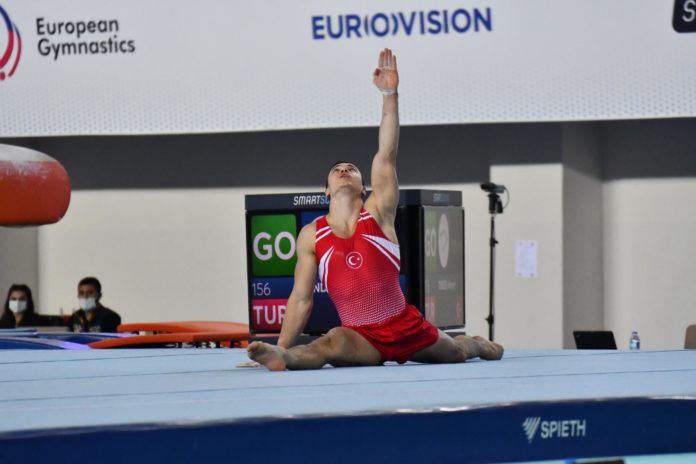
x=400 y=337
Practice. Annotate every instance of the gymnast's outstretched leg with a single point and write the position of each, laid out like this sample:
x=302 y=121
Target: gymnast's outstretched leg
x=458 y=349
x=339 y=347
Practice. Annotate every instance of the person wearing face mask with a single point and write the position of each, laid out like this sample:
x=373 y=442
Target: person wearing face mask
x=19 y=309
x=92 y=315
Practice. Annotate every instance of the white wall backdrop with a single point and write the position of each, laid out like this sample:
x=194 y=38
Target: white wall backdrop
x=529 y=311
x=650 y=259
x=160 y=254
x=18 y=258
x=583 y=260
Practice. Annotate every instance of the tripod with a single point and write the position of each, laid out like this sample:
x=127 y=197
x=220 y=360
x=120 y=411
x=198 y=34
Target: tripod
x=495 y=207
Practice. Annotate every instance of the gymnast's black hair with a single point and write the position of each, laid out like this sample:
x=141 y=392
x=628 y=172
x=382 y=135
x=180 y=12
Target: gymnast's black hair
x=342 y=162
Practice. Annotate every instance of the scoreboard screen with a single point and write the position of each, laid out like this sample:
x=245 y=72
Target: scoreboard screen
x=443 y=267
x=434 y=285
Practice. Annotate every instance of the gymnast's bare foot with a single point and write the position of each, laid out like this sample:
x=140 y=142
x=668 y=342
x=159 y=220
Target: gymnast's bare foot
x=489 y=350
x=270 y=356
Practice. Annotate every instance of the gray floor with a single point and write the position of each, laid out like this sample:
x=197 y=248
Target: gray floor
x=58 y=389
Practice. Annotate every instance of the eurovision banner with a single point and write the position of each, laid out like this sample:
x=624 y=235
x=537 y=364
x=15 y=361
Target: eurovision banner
x=79 y=67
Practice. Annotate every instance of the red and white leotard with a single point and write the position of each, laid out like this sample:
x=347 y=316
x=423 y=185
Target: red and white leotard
x=361 y=273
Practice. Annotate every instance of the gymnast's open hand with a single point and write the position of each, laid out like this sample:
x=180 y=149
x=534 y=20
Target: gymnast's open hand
x=386 y=75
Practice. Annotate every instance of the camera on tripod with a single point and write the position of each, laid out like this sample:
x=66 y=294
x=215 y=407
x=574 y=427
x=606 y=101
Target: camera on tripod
x=494 y=207
x=494 y=204
x=490 y=187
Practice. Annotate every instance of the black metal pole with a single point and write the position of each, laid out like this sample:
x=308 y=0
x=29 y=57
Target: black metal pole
x=491 y=287
x=494 y=207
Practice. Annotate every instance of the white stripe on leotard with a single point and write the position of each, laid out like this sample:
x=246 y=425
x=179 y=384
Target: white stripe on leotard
x=324 y=267
x=387 y=248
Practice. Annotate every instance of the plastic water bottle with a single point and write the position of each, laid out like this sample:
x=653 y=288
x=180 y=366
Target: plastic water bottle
x=634 y=341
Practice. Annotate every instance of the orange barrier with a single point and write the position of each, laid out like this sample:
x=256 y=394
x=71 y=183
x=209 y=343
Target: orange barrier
x=222 y=333
x=185 y=327
x=228 y=338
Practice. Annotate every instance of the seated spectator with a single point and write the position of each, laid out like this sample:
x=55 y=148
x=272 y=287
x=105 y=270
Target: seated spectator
x=19 y=309
x=92 y=316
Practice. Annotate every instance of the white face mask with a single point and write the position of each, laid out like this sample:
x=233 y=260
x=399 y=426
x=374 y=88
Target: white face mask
x=18 y=306
x=87 y=303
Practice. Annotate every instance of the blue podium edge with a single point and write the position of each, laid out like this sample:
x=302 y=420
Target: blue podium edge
x=524 y=431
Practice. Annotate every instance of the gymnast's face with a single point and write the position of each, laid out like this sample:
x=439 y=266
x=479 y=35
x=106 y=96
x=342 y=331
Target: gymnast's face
x=344 y=176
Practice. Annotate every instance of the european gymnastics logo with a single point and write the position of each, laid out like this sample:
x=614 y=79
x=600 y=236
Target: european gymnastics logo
x=13 y=47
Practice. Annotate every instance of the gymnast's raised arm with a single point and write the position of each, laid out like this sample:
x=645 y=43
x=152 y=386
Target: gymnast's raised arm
x=384 y=199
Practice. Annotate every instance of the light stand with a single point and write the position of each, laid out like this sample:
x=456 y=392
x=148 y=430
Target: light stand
x=495 y=207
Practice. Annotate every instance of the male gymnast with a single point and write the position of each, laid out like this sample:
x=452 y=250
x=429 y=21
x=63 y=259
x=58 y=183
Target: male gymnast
x=356 y=251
